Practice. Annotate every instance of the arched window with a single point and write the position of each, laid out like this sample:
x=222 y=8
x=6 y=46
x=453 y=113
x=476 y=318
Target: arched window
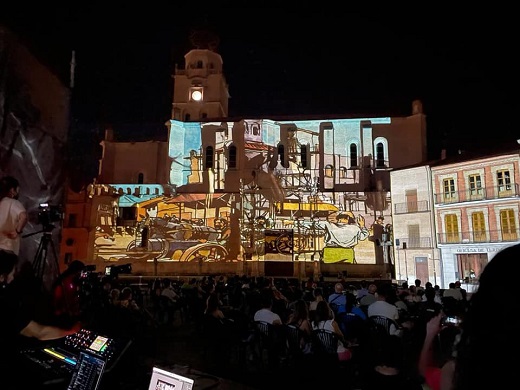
x=343 y=172
x=199 y=64
x=329 y=169
x=380 y=155
x=140 y=178
x=232 y=156
x=353 y=155
x=209 y=157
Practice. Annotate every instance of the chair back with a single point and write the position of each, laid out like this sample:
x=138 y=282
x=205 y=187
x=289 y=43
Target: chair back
x=324 y=342
x=266 y=333
x=353 y=326
x=382 y=324
x=294 y=336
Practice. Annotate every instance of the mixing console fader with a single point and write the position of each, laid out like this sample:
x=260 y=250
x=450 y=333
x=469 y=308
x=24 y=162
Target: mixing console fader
x=57 y=360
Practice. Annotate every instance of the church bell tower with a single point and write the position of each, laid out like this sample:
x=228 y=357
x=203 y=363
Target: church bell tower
x=200 y=91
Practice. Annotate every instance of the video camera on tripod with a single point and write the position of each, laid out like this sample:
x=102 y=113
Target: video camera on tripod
x=48 y=214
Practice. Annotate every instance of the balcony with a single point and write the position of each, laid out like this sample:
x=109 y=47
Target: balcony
x=487 y=236
x=416 y=242
x=478 y=194
x=412 y=207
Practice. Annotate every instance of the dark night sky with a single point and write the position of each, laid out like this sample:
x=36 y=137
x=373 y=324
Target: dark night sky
x=305 y=62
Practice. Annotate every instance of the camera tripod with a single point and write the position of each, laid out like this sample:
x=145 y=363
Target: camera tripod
x=41 y=257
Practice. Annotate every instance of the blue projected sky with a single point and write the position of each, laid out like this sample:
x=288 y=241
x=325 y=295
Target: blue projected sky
x=303 y=63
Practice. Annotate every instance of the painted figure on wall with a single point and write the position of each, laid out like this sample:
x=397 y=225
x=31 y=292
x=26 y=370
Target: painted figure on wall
x=342 y=236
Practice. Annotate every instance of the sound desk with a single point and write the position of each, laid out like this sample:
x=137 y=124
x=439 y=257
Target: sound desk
x=54 y=363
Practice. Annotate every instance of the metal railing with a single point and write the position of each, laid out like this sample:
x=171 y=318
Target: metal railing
x=412 y=207
x=415 y=242
x=472 y=237
x=478 y=194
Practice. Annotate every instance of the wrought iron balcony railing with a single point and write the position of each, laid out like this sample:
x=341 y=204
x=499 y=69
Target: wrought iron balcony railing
x=415 y=242
x=412 y=207
x=479 y=237
x=477 y=194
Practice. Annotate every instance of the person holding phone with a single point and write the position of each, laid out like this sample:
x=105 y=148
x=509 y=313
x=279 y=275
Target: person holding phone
x=483 y=350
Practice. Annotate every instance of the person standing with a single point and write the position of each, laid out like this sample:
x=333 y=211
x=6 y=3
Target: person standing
x=13 y=215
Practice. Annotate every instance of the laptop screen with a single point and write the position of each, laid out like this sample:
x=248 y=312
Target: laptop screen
x=166 y=380
x=87 y=373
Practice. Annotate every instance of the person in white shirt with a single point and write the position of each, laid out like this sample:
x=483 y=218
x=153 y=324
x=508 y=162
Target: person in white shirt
x=168 y=291
x=453 y=292
x=13 y=215
x=385 y=309
x=265 y=313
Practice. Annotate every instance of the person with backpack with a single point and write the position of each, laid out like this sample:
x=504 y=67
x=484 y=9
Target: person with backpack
x=338 y=300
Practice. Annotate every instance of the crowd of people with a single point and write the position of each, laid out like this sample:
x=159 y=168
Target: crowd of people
x=439 y=339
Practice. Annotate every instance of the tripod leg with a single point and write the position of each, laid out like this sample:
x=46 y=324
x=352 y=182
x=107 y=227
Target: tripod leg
x=39 y=259
x=55 y=255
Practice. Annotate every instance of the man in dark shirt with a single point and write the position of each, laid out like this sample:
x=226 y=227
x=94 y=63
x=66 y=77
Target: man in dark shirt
x=16 y=322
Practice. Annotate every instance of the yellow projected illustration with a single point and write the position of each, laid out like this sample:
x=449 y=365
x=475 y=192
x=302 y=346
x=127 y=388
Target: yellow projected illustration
x=256 y=190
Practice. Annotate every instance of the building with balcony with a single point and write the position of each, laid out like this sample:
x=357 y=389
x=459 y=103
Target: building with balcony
x=415 y=246
x=452 y=216
x=476 y=206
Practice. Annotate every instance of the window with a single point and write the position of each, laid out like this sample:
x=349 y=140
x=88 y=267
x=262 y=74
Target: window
x=452 y=228
x=140 y=178
x=353 y=155
x=479 y=226
x=232 y=155
x=187 y=117
x=209 y=157
x=380 y=155
x=73 y=220
x=204 y=115
x=303 y=156
x=328 y=170
x=448 y=189
x=199 y=64
x=504 y=183
x=342 y=172
x=508 y=225
x=475 y=186
x=414 y=237
x=411 y=201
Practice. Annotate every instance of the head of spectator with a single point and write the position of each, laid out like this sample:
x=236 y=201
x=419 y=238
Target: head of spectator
x=485 y=346
x=323 y=313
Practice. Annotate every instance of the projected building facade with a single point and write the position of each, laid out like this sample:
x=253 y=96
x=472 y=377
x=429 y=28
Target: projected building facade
x=243 y=194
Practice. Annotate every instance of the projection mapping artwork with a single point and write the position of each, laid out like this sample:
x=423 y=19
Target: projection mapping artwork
x=258 y=190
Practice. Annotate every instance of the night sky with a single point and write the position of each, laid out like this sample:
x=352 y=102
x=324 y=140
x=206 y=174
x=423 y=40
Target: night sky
x=304 y=62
